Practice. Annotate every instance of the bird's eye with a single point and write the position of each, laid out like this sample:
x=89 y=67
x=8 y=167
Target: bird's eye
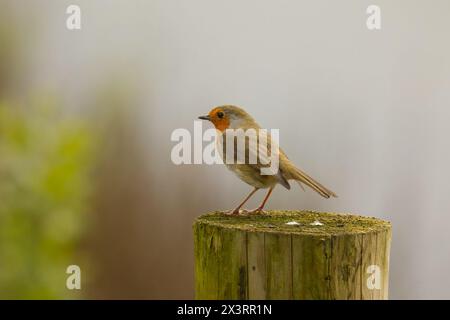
x=220 y=114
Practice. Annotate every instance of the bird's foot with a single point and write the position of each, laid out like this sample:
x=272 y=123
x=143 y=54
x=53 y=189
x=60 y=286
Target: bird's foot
x=234 y=212
x=240 y=212
x=255 y=211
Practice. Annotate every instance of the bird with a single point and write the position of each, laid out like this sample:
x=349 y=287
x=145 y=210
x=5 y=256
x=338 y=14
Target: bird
x=232 y=117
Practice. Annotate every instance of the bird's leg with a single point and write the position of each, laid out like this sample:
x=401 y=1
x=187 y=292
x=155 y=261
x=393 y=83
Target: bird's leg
x=261 y=206
x=236 y=211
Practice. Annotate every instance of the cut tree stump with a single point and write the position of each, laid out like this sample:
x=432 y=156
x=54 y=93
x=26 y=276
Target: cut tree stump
x=291 y=255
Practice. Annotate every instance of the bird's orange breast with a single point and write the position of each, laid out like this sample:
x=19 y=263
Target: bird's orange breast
x=221 y=124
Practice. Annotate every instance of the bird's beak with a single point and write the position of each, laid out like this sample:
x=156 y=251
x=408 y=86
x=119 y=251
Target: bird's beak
x=204 y=118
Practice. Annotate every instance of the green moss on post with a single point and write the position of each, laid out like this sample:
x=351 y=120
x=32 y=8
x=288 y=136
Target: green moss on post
x=291 y=255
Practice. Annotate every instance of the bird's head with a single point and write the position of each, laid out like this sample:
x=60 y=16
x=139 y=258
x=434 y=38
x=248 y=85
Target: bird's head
x=228 y=117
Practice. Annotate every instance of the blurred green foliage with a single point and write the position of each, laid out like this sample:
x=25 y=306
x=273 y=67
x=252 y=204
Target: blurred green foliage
x=45 y=162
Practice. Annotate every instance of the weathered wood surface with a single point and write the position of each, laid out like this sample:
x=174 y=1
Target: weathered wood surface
x=263 y=257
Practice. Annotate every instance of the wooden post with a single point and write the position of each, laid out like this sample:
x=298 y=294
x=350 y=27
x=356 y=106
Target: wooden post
x=291 y=255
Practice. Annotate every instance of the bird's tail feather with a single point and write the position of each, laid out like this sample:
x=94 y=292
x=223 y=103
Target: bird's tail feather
x=302 y=177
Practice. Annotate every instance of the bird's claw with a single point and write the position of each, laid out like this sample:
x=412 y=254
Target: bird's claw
x=255 y=211
x=236 y=212
x=233 y=212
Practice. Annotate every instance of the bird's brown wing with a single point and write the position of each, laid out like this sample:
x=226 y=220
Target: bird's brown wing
x=256 y=155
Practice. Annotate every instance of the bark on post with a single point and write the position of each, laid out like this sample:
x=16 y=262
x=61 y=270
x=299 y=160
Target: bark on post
x=291 y=255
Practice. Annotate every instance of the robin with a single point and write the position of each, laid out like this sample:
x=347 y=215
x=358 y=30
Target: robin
x=232 y=117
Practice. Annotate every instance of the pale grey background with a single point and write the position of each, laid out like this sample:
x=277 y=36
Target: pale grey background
x=365 y=112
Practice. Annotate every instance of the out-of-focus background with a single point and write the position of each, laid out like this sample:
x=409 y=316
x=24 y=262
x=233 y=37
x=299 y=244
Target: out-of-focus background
x=86 y=117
